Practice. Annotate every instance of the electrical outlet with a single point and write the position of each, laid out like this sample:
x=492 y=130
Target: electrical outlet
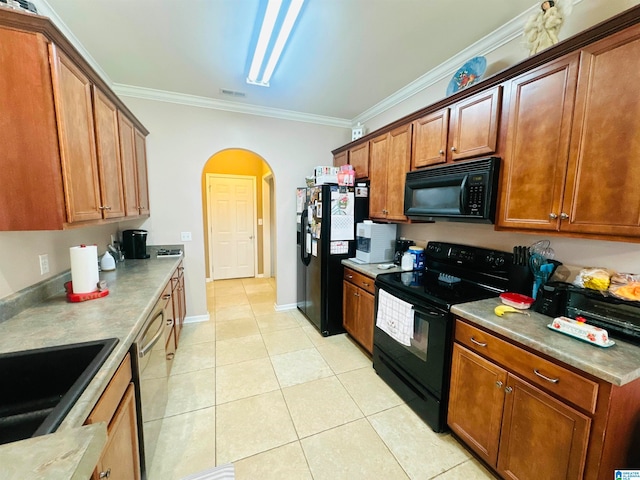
x=44 y=263
x=185 y=236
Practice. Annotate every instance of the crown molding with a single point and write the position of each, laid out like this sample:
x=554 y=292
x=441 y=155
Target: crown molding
x=236 y=107
x=496 y=39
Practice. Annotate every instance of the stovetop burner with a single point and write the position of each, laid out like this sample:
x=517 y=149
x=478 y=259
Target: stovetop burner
x=453 y=274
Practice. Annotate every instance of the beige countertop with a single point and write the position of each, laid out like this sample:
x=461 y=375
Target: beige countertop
x=370 y=269
x=618 y=364
x=134 y=288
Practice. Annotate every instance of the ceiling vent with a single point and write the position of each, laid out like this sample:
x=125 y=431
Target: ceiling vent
x=232 y=93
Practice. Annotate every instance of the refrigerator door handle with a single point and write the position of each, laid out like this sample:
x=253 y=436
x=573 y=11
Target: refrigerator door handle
x=304 y=257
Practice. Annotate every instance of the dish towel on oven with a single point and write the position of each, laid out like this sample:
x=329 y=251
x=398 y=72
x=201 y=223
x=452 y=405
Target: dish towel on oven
x=395 y=317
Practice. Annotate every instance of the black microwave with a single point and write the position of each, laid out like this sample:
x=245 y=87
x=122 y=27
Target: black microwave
x=461 y=191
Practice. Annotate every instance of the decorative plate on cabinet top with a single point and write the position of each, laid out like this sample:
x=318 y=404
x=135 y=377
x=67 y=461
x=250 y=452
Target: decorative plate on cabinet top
x=468 y=74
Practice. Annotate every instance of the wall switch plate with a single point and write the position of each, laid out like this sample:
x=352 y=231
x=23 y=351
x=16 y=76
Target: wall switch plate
x=44 y=263
x=185 y=236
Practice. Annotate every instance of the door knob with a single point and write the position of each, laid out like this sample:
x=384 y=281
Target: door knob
x=441 y=152
x=453 y=149
x=564 y=216
x=553 y=216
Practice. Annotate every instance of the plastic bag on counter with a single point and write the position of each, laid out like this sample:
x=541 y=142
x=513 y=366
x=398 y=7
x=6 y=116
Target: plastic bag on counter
x=594 y=278
x=625 y=286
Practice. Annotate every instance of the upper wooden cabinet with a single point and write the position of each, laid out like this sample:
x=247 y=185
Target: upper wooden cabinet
x=466 y=129
x=61 y=153
x=359 y=160
x=341 y=158
x=534 y=163
x=571 y=144
x=142 y=179
x=134 y=167
x=390 y=159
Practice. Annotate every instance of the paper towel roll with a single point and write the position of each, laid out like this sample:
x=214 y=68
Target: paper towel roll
x=84 y=268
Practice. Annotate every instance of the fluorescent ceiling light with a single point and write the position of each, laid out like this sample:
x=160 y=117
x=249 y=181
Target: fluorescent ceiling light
x=273 y=12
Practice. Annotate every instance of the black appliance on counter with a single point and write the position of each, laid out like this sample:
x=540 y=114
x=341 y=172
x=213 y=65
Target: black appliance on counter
x=326 y=224
x=402 y=245
x=134 y=244
x=465 y=192
x=419 y=372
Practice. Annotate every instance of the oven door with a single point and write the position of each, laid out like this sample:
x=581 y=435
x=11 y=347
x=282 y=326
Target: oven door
x=426 y=359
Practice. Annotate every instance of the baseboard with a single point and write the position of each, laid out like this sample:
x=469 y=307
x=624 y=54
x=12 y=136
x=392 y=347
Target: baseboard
x=197 y=318
x=282 y=308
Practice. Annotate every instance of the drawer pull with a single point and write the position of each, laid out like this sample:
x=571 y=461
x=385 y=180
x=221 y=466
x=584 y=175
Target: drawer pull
x=106 y=474
x=350 y=277
x=480 y=344
x=499 y=384
x=365 y=284
x=552 y=380
x=508 y=390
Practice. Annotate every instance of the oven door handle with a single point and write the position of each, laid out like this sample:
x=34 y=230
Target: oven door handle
x=429 y=313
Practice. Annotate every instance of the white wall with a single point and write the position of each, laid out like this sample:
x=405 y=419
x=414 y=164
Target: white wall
x=181 y=141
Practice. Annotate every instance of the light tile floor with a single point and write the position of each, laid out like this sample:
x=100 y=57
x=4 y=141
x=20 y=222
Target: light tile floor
x=264 y=390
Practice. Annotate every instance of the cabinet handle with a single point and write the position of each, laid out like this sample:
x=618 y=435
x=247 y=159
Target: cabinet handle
x=508 y=390
x=106 y=474
x=564 y=216
x=480 y=344
x=552 y=380
x=356 y=294
x=499 y=384
x=453 y=149
x=350 y=277
x=166 y=296
x=441 y=152
x=365 y=284
x=170 y=356
x=169 y=322
x=104 y=208
x=553 y=216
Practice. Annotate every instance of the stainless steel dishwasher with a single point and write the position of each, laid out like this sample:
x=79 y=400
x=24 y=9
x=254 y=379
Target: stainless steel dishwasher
x=153 y=368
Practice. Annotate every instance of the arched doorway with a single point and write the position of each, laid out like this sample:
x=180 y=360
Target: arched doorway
x=237 y=196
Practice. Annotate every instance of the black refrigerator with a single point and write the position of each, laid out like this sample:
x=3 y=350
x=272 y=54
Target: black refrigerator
x=326 y=221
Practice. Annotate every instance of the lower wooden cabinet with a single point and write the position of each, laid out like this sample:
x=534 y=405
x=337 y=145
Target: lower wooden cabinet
x=117 y=408
x=513 y=425
x=529 y=416
x=358 y=307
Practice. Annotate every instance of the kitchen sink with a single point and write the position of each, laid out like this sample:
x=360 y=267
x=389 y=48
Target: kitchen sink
x=40 y=386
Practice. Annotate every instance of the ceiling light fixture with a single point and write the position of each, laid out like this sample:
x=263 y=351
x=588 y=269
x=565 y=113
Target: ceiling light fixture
x=273 y=24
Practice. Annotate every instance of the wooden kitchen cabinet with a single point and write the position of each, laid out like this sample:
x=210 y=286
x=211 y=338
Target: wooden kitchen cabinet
x=72 y=95
x=108 y=154
x=359 y=160
x=516 y=408
x=466 y=129
x=513 y=425
x=134 y=167
x=117 y=408
x=571 y=144
x=61 y=144
x=390 y=159
x=358 y=307
x=534 y=164
x=341 y=158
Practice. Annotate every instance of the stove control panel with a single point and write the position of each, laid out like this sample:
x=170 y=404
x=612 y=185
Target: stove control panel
x=468 y=256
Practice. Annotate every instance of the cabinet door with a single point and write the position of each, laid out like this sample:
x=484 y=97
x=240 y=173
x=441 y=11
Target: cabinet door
x=350 y=307
x=534 y=163
x=476 y=399
x=129 y=167
x=31 y=195
x=120 y=456
x=541 y=437
x=359 y=160
x=602 y=194
x=430 y=139
x=378 y=176
x=398 y=164
x=141 y=177
x=341 y=158
x=474 y=125
x=72 y=93
x=108 y=153
x=366 y=319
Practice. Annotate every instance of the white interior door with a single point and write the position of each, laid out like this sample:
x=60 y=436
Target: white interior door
x=232 y=216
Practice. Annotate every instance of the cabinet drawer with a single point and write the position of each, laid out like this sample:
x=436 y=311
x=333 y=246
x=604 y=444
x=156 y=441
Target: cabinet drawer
x=558 y=380
x=362 y=281
x=110 y=399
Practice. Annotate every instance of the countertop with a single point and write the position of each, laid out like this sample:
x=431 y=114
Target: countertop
x=134 y=287
x=370 y=269
x=618 y=364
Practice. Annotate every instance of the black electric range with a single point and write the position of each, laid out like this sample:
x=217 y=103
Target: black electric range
x=417 y=368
